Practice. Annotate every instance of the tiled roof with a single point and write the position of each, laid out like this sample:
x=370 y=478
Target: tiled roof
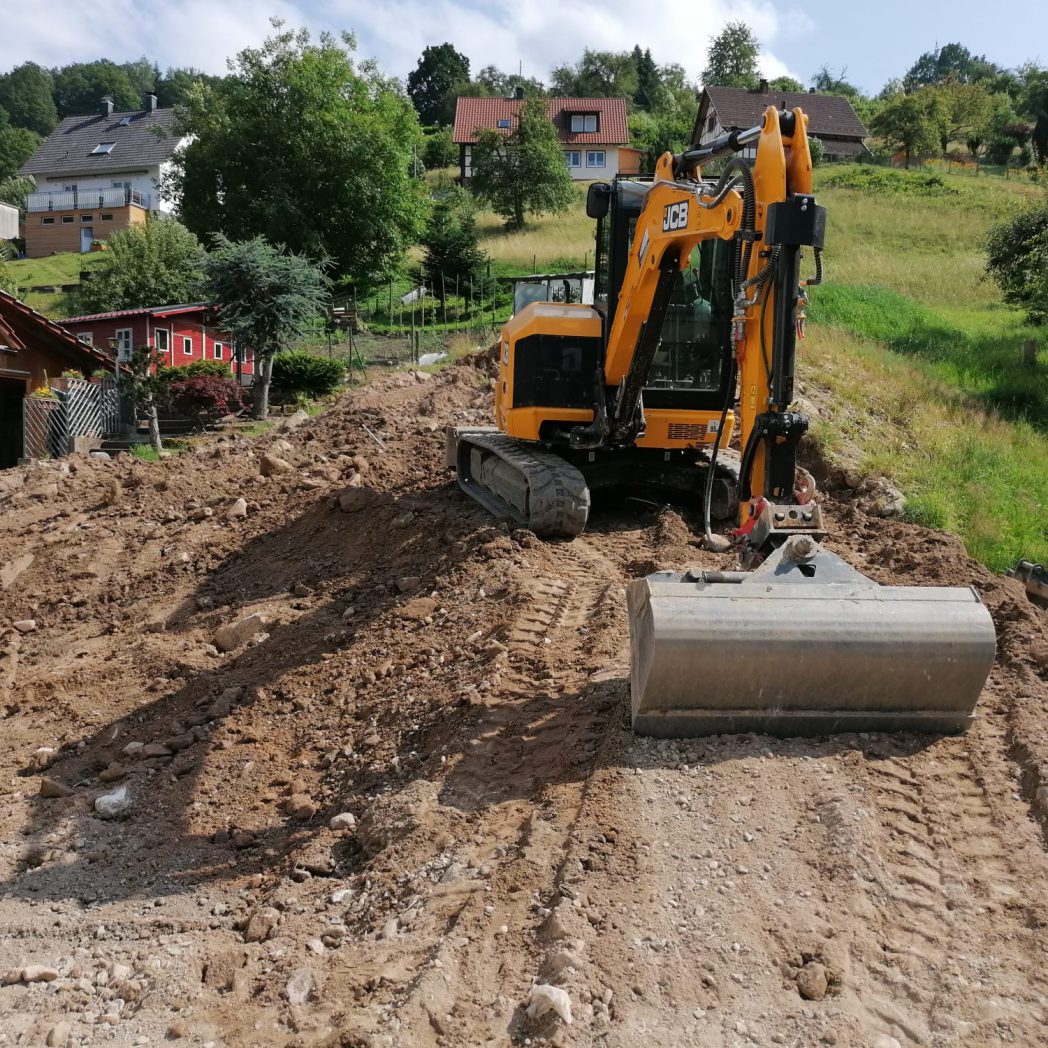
x=21 y=326
x=739 y=108
x=147 y=139
x=474 y=114
x=153 y=311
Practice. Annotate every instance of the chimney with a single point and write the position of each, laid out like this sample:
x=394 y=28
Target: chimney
x=811 y=90
x=518 y=93
x=149 y=102
x=107 y=106
x=763 y=88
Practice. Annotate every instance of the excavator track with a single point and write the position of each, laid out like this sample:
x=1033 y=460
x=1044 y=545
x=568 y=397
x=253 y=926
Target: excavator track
x=533 y=488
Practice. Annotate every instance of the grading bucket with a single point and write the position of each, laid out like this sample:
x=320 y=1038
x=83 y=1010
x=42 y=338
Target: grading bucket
x=803 y=647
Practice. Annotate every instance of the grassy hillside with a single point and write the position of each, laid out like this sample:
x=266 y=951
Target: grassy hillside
x=51 y=271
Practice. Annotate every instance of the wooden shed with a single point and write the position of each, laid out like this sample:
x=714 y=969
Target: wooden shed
x=33 y=351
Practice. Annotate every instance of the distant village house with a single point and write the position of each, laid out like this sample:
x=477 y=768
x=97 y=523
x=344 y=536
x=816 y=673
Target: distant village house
x=96 y=174
x=592 y=132
x=831 y=118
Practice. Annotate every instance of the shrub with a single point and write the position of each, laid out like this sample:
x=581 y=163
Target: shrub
x=296 y=373
x=1017 y=259
x=201 y=395
x=889 y=181
x=216 y=368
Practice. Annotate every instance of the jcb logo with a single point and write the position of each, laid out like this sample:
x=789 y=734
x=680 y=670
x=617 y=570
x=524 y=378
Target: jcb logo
x=675 y=216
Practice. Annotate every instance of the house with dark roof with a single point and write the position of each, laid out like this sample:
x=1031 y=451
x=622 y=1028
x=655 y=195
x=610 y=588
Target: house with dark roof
x=592 y=132
x=96 y=174
x=831 y=118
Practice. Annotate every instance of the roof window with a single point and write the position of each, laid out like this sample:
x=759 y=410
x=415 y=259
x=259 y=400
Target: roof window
x=102 y=148
x=503 y=123
x=125 y=120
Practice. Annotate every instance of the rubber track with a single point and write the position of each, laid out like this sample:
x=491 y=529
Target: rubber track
x=558 y=496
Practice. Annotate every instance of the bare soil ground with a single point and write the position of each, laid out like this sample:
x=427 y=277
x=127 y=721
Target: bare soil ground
x=462 y=692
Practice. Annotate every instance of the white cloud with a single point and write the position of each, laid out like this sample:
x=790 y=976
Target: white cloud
x=536 y=34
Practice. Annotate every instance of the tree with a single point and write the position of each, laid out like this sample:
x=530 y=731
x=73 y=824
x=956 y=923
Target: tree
x=1017 y=259
x=1035 y=104
x=158 y=264
x=959 y=109
x=15 y=188
x=492 y=82
x=175 y=86
x=833 y=83
x=951 y=62
x=908 y=123
x=649 y=90
x=142 y=75
x=452 y=251
x=264 y=297
x=522 y=172
x=25 y=92
x=433 y=83
x=439 y=150
x=80 y=88
x=299 y=146
x=144 y=383
x=785 y=83
x=17 y=145
x=598 y=74
x=731 y=60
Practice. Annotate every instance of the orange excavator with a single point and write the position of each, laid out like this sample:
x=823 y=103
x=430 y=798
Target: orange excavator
x=699 y=305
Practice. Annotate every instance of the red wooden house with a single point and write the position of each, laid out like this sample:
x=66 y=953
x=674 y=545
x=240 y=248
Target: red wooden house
x=180 y=334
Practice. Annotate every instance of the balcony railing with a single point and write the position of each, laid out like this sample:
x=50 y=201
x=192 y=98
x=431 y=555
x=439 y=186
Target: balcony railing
x=80 y=199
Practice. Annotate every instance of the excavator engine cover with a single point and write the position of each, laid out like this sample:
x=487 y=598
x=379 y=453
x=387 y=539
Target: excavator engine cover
x=804 y=646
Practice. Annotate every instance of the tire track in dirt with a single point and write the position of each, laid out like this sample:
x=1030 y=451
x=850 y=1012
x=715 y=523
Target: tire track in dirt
x=563 y=624
x=946 y=893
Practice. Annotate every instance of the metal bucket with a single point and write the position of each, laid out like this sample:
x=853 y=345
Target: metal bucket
x=803 y=648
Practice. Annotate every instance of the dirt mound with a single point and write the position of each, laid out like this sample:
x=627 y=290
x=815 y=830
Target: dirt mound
x=409 y=792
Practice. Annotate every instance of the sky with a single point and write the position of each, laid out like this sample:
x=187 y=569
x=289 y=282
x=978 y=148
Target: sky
x=870 y=42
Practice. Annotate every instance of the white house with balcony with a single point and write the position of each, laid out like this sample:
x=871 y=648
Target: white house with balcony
x=592 y=131
x=96 y=174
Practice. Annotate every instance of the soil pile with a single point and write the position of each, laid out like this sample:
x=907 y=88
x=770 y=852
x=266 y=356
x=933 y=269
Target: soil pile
x=345 y=762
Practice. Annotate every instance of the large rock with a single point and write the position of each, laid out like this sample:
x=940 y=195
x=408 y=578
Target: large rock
x=294 y=421
x=114 y=805
x=233 y=634
x=272 y=465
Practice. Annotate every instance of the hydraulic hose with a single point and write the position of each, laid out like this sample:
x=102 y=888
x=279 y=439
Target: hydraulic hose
x=707 y=495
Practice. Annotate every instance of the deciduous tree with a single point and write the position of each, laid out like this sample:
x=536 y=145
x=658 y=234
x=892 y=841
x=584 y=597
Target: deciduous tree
x=908 y=123
x=731 y=60
x=264 y=296
x=597 y=74
x=80 y=88
x=301 y=146
x=25 y=92
x=159 y=264
x=1017 y=259
x=434 y=82
x=17 y=145
x=523 y=172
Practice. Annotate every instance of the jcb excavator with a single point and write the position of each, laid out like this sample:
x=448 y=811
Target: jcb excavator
x=699 y=296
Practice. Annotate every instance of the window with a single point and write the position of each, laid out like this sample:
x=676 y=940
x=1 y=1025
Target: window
x=87 y=218
x=711 y=123
x=47 y=221
x=125 y=120
x=187 y=346
x=573 y=157
x=69 y=189
x=219 y=351
x=123 y=343
x=584 y=122
x=106 y=218
x=66 y=219
x=503 y=124
x=87 y=336
x=120 y=185
x=103 y=148
x=162 y=340
x=595 y=158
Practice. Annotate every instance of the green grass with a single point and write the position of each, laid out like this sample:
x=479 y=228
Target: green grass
x=921 y=359
x=146 y=452
x=64 y=268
